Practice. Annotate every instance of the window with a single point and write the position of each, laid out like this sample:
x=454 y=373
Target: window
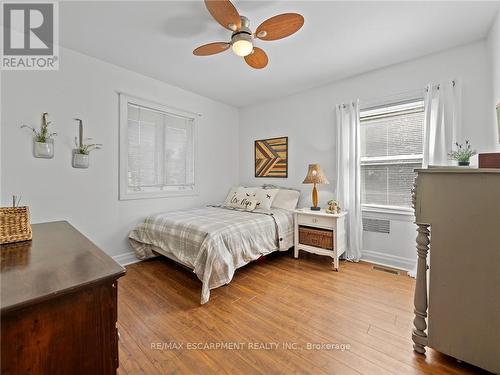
x=156 y=151
x=391 y=148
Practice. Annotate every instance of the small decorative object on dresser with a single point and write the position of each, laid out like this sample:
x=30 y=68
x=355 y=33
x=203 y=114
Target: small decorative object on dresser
x=315 y=176
x=82 y=150
x=490 y=160
x=462 y=154
x=321 y=233
x=271 y=157
x=43 y=141
x=15 y=223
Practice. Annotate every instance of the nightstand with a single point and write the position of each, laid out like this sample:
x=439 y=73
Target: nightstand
x=320 y=233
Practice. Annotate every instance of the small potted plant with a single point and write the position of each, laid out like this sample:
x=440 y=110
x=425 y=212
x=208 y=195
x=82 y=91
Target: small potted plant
x=82 y=150
x=43 y=141
x=463 y=153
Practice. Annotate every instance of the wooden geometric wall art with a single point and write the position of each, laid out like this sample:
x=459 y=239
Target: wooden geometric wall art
x=271 y=157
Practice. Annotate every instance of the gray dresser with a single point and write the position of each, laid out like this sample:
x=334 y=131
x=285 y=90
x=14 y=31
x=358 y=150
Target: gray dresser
x=457 y=300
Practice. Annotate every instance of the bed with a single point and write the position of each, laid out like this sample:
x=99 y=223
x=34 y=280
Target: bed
x=214 y=241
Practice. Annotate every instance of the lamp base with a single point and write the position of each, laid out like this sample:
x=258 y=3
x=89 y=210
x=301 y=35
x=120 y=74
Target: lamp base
x=315 y=208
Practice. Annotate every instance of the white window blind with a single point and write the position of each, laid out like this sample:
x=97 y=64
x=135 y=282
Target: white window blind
x=391 y=148
x=159 y=158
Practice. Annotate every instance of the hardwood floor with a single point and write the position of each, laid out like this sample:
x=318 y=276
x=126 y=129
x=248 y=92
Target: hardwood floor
x=276 y=301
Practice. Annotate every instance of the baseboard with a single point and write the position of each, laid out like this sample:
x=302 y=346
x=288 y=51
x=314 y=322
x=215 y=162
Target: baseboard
x=126 y=258
x=370 y=256
x=388 y=260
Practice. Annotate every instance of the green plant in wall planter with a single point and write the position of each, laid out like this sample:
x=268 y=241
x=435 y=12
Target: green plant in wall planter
x=82 y=151
x=462 y=154
x=43 y=140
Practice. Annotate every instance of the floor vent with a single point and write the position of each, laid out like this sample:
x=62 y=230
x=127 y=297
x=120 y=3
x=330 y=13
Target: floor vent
x=376 y=225
x=384 y=269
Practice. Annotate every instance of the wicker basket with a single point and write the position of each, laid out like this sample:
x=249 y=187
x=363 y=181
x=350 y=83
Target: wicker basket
x=316 y=237
x=14 y=224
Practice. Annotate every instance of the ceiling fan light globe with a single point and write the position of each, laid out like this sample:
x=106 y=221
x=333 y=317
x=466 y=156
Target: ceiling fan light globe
x=242 y=47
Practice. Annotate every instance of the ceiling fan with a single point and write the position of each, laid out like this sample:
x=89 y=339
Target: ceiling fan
x=242 y=38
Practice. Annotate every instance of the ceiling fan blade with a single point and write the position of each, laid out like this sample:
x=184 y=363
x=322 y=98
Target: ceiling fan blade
x=279 y=26
x=257 y=59
x=225 y=13
x=211 y=48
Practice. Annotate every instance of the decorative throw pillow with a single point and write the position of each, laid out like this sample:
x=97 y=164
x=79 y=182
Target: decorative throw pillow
x=235 y=189
x=242 y=200
x=248 y=190
x=251 y=204
x=231 y=194
x=265 y=197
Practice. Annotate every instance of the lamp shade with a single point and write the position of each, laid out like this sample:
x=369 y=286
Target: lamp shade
x=315 y=175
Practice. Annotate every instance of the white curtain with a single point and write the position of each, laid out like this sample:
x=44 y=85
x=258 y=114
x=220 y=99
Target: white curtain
x=442 y=125
x=349 y=174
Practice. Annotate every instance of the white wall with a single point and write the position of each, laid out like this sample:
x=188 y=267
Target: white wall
x=85 y=88
x=494 y=48
x=307 y=119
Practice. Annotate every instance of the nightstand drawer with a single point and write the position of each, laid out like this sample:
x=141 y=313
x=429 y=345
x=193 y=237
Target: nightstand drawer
x=315 y=220
x=322 y=238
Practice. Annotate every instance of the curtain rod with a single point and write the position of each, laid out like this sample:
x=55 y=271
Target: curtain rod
x=438 y=86
x=398 y=97
x=156 y=102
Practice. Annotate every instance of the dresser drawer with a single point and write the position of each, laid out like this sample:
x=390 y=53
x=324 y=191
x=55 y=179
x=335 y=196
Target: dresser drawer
x=322 y=238
x=316 y=221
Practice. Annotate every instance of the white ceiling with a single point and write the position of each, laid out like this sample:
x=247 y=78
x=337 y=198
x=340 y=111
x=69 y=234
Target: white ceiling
x=339 y=39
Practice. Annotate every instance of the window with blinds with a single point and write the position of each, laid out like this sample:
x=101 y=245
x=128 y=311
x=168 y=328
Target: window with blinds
x=391 y=148
x=157 y=151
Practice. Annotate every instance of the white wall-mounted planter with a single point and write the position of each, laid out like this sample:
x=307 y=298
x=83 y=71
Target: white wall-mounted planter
x=80 y=160
x=44 y=150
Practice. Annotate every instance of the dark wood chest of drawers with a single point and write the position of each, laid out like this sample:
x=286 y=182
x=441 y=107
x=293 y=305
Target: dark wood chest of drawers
x=58 y=304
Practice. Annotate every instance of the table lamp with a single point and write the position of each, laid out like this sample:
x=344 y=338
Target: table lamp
x=315 y=176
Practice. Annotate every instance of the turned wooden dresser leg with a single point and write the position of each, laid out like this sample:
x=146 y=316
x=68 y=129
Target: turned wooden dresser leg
x=419 y=336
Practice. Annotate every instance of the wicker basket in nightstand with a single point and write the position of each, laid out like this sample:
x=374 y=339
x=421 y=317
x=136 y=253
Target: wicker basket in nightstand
x=316 y=237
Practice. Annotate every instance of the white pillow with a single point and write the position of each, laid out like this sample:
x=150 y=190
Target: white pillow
x=236 y=189
x=265 y=197
x=243 y=201
x=286 y=199
x=230 y=195
x=249 y=191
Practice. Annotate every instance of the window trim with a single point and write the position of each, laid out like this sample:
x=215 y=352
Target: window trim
x=388 y=210
x=124 y=193
x=393 y=159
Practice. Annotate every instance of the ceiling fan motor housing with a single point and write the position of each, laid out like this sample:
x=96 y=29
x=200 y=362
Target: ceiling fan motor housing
x=242 y=39
x=244 y=33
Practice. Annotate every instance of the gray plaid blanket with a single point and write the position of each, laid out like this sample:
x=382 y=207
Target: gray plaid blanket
x=214 y=241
